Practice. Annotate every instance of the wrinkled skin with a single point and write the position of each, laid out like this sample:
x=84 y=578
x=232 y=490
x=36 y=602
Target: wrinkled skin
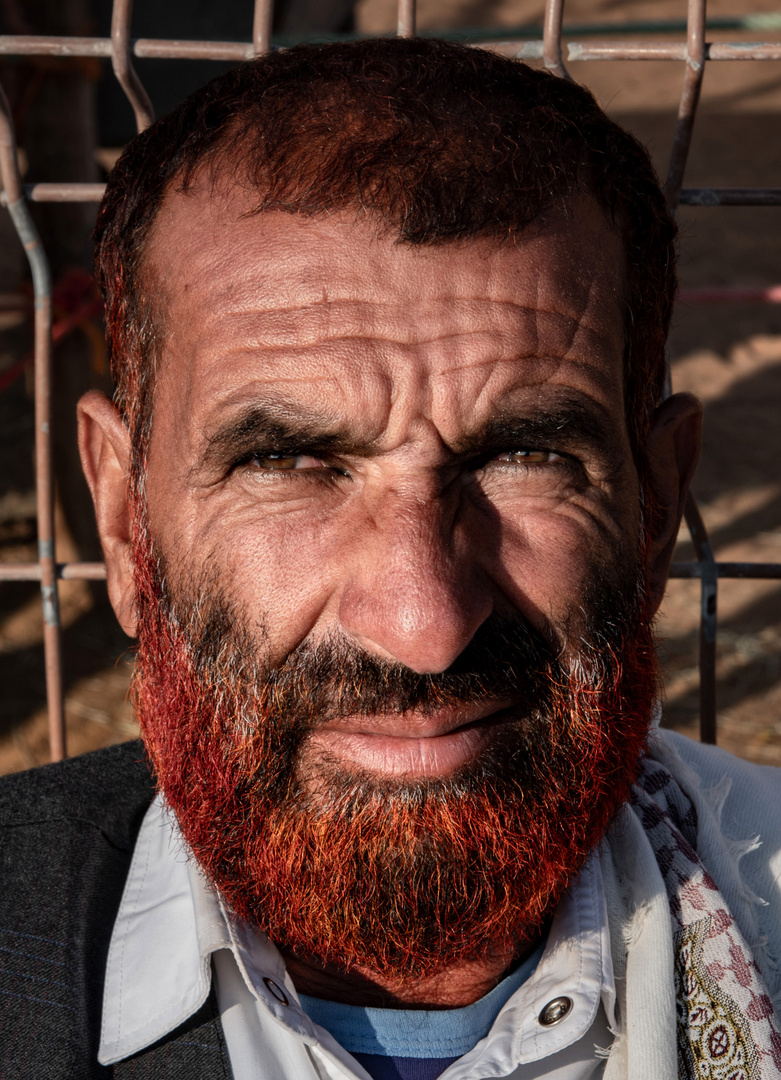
x=386 y=444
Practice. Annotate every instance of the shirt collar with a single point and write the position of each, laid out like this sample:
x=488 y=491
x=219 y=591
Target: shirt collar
x=170 y=922
x=158 y=971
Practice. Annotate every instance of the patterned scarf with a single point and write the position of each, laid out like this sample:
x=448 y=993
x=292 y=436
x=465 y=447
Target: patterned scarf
x=726 y=1025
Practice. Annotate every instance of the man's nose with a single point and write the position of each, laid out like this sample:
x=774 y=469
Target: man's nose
x=415 y=593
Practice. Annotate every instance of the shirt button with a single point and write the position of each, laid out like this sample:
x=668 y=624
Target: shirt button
x=555 y=1011
x=276 y=991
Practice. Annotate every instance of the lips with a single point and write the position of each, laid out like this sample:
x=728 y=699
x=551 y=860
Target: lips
x=411 y=744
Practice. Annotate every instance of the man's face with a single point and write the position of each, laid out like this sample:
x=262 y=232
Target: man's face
x=354 y=437
x=371 y=463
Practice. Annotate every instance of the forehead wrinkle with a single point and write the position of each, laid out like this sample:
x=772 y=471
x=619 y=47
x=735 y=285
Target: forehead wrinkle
x=557 y=308
x=363 y=390
x=545 y=383
x=325 y=322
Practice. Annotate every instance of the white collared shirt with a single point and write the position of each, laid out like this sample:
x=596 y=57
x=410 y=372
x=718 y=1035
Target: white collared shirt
x=172 y=935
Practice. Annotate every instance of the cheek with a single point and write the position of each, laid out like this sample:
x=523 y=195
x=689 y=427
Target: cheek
x=546 y=559
x=287 y=566
x=281 y=569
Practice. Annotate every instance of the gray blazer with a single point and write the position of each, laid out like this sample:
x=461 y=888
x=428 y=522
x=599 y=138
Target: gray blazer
x=67 y=834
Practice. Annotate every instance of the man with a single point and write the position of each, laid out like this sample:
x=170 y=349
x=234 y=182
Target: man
x=389 y=495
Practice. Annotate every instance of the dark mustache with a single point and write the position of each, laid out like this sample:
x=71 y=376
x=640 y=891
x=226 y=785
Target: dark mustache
x=506 y=659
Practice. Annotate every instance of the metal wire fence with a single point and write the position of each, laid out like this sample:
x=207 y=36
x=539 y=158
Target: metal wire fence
x=694 y=53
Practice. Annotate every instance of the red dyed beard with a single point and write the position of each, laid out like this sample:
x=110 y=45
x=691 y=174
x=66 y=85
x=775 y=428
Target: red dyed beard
x=401 y=877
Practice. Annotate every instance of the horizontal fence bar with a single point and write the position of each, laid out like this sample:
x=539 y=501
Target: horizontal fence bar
x=738 y=50
x=60 y=193
x=64 y=192
x=80 y=571
x=716 y=294
x=731 y=197
x=171 y=49
x=664 y=50
x=96 y=571
x=626 y=50
x=689 y=196
x=761 y=571
x=144 y=48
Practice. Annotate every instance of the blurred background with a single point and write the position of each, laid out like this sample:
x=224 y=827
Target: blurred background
x=71 y=121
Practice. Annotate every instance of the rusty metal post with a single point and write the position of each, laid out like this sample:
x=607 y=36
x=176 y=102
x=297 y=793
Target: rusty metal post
x=123 y=66
x=262 y=18
x=690 y=96
x=551 y=38
x=44 y=478
x=406 y=18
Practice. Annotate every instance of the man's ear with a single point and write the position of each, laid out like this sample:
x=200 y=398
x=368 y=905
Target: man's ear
x=672 y=452
x=104 y=445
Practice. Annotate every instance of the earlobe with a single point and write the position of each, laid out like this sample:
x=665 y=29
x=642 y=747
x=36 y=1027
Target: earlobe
x=673 y=449
x=104 y=445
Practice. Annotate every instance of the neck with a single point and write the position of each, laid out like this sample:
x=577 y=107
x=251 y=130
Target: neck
x=454 y=987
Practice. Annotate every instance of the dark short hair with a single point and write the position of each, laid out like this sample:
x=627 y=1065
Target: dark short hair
x=439 y=142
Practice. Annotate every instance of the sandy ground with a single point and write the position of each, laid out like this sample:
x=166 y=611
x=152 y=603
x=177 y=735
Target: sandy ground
x=730 y=355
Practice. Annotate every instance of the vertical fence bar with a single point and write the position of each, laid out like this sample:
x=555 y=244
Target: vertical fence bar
x=262 y=19
x=551 y=38
x=690 y=96
x=709 y=576
x=121 y=62
x=407 y=10
x=44 y=479
x=709 y=589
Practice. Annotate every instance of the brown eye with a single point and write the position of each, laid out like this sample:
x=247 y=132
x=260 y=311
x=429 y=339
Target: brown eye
x=276 y=461
x=285 y=462
x=528 y=457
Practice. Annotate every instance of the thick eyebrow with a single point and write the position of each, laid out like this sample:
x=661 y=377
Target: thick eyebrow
x=570 y=425
x=278 y=429
x=285 y=429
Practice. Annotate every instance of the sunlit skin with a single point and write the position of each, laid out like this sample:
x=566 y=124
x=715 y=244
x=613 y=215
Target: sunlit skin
x=357 y=436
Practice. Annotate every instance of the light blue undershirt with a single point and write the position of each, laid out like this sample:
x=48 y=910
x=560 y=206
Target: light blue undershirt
x=415 y=1033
